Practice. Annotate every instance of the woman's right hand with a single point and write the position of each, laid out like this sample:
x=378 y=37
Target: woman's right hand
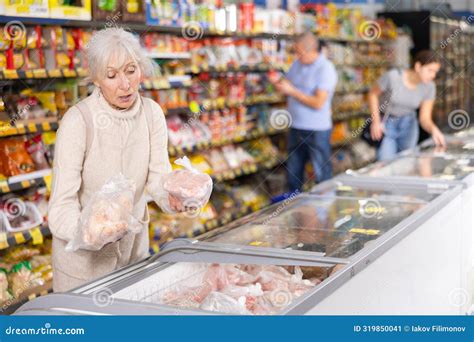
x=376 y=131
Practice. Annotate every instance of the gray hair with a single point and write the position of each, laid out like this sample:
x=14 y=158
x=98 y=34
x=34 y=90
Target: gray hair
x=309 y=39
x=115 y=42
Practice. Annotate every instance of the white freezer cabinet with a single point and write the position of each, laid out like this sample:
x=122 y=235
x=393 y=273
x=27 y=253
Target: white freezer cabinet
x=351 y=246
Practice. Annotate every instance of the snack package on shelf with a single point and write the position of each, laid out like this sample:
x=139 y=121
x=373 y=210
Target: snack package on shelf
x=107 y=217
x=250 y=196
x=20 y=253
x=187 y=186
x=217 y=161
x=14 y=159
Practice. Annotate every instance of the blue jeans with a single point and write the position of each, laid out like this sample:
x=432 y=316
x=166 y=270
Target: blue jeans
x=306 y=145
x=401 y=133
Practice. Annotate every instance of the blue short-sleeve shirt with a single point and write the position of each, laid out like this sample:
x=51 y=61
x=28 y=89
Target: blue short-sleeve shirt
x=321 y=74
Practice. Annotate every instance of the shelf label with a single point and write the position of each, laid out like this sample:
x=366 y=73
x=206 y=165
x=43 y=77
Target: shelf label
x=10 y=74
x=36 y=236
x=48 y=181
x=55 y=73
x=3 y=241
x=19 y=238
x=40 y=73
x=69 y=73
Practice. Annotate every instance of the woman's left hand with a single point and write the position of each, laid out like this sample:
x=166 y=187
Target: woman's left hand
x=438 y=137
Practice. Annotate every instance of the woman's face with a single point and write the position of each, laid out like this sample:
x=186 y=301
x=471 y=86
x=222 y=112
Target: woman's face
x=427 y=72
x=121 y=83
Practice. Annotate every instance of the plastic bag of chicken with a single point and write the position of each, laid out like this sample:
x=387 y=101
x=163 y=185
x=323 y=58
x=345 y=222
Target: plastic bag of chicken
x=107 y=217
x=187 y=186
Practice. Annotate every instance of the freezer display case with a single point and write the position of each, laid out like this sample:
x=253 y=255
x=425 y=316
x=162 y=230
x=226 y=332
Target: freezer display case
x=298 y=257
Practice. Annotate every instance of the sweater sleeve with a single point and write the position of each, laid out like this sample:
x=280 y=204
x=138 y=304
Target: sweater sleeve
x=64 y=207
x=159 y=160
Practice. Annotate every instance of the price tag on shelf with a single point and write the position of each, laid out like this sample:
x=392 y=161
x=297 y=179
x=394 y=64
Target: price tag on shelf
x=147 y=84
x=3 y=241
x=40 y=73
x=4 y=187
x=19 y=238
x=55 y=73
x=10 y=74
x=37 y=237
x=81 y=72
x=26 y=184
x=48 y=180
x=29 y=74
x=32 y=127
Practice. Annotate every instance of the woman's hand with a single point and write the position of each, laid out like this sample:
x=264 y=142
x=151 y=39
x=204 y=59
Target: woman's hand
x=376 y=131
x=438 y=137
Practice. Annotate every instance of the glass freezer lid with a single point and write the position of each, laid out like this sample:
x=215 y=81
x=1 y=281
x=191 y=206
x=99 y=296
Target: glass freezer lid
x=386 y=190
x=454 y=147
x=424 y=166
x=336 y=227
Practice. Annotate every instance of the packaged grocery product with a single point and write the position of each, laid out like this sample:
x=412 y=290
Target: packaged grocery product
x=189 y=186
x=107 y=217
x=22 y=278
x=20 y=253
x=14 y=159
x=21 y=215
x=4 y=293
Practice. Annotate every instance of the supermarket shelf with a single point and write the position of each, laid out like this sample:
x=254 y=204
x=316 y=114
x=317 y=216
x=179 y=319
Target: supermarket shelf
x=257 y=133
x=368 y=64
x=25 y=181
x=35 y=235
x=42 y=73
x=261 y=67
x=9 y=307
x=26 y=127
x=169 y=55
x=354 y=40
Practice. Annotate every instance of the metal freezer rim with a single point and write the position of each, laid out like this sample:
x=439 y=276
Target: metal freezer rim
x=356 y=263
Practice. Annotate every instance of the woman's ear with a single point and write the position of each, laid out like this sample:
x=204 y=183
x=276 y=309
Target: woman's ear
x=417 y=66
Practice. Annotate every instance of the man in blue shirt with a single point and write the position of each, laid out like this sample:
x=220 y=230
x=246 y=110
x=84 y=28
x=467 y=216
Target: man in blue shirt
x=309 y=85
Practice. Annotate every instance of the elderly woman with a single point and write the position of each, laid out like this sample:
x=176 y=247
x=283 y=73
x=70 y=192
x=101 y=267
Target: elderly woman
x=113 y=131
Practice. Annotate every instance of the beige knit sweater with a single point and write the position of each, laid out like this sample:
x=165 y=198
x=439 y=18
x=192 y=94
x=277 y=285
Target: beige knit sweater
x=122 y=143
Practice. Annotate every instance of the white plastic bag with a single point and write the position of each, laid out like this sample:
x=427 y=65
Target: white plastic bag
x=107 y=217
x=191 y=187
x=223 y=303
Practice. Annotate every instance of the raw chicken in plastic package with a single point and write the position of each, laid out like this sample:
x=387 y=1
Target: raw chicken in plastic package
x=107 y=217
x=191 y=187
